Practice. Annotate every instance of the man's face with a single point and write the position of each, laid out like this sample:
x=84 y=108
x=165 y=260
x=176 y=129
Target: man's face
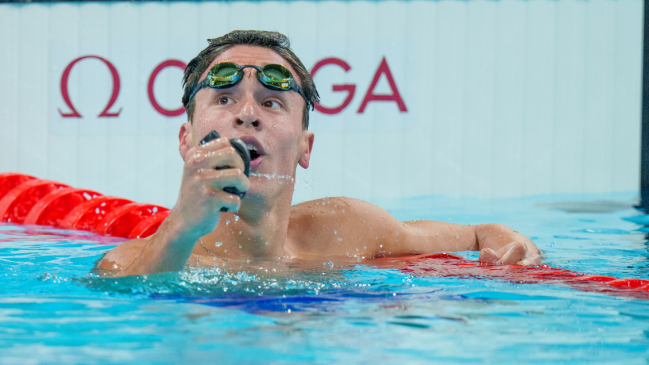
x=268 y=120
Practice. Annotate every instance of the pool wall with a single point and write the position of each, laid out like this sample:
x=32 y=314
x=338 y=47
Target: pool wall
x=484 y=98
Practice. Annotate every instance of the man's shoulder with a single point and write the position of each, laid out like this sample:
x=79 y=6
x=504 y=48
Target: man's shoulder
x=341 y=210
x=332 y=226
x=328 y=207
x=122 y=255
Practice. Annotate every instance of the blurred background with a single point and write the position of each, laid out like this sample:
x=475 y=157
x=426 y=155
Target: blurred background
x=476 y=98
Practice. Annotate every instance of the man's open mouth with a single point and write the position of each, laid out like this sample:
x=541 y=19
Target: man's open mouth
x=255 y=149
x=254 y=154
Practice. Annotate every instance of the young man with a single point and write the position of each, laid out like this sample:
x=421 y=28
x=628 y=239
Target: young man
x=208 y=225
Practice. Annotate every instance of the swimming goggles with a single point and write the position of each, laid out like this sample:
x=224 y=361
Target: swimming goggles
x=227 y=74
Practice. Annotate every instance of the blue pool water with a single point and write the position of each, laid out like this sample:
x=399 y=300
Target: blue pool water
x=53 y=311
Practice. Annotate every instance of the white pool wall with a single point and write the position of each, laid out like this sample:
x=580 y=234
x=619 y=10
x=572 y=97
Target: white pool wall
x=503 y=98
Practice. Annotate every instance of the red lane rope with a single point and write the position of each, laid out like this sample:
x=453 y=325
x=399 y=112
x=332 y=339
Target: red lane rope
x=26 y=199
x=121 y=221
x=9 y=180
x=87 y=215
x=17 y=202
x=449 y=265
x=148 y=225
x=52 y=208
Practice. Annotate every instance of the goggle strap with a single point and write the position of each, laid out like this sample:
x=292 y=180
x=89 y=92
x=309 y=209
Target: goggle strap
x=201 y=85
x=299 y=90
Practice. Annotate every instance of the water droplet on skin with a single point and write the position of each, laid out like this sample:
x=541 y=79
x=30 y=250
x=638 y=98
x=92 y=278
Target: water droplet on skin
x=217 y=244
x=339 y=239
x=227 y=222
x=335 y=231
x=343 y=210
x=380 y=245
x=236 y=218
x=248 y=260
x=267 y=242
x=365 y=247
x=240 y=246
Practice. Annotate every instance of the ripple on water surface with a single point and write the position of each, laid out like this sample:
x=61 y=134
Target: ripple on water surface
x=54 y=311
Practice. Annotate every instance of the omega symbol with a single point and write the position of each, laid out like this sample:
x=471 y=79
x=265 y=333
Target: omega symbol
x=66 y=96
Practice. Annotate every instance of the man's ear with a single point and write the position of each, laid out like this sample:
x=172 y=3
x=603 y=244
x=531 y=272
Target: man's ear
x=184 y=139
x=307 y=146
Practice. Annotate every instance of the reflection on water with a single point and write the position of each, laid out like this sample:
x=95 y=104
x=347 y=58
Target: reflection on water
x=54 y=310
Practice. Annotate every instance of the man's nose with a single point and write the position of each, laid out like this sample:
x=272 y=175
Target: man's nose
x=249 y=112
x=248 y=115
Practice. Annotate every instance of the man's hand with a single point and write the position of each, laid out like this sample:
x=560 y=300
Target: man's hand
x=510 y=254
x=504 y=246
x=208 y=169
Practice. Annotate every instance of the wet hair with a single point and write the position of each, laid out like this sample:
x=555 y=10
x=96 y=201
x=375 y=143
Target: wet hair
x=275 y=41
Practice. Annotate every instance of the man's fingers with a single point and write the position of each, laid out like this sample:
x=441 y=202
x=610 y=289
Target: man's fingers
x=220 y=179
x=226 y=202
x=513 y=253
x=215 y=154
x=516 y=252
x=488 y=255
x=531 y=259
x=226 y=157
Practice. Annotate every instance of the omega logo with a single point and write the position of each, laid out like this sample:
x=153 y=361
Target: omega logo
x=66 y=95
x=383 y=69
x=370 y=96
x=154 y=74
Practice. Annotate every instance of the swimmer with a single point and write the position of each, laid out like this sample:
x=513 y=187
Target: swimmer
x=233 y=86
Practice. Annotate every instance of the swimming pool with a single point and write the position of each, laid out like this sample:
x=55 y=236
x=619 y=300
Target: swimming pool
x=53 y=311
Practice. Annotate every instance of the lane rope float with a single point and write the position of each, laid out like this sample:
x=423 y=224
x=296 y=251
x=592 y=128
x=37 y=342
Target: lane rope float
x=25 y=199
x=449 y=265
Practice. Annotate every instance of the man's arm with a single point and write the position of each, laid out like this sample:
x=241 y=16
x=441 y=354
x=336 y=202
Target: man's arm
x=196 y=213
x=496 y=242
x=345 y=226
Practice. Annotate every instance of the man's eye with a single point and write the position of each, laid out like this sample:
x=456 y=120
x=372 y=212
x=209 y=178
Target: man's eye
x=271 y=104
x=224 y=100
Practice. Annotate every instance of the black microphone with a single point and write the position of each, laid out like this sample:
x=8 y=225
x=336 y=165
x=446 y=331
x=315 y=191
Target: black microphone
x=242 y=150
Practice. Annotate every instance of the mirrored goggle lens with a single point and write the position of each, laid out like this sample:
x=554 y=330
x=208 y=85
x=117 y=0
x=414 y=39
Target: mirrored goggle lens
x=276 y=76
x=224 y=74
